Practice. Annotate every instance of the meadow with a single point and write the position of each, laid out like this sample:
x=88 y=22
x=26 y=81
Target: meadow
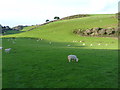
x=35 y=63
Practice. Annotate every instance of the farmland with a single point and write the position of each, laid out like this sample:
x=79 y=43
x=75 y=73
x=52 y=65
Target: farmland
x=38 y=58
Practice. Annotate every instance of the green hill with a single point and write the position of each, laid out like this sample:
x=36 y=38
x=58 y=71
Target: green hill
x=63 y=30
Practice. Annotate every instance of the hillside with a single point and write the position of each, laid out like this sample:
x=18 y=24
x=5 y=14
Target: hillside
x=62 y=30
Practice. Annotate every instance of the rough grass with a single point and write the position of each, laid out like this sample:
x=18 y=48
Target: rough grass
x=38 y=64
x=11 y=32
x=32 y=64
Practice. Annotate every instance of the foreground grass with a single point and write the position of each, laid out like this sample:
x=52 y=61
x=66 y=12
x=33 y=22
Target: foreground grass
x=32 y=64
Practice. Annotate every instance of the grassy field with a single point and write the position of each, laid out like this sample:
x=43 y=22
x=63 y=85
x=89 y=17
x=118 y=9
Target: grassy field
x=34 y=63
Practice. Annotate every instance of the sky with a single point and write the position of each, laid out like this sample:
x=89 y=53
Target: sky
x=32 y=12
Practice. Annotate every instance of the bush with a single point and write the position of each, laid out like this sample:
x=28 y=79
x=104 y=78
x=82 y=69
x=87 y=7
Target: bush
x=98 y=32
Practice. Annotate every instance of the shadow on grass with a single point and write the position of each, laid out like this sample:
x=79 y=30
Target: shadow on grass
x=9 y=32
x=41 y=65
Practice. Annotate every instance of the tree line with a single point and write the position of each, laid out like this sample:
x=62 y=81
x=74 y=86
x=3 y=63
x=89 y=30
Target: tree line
x=56 y=18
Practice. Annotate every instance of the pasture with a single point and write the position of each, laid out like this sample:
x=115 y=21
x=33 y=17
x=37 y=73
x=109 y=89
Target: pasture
x=36 y=63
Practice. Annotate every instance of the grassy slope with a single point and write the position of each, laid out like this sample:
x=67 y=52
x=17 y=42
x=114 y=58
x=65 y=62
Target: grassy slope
x=40 y=64
x=55 y=30
x=62 y=31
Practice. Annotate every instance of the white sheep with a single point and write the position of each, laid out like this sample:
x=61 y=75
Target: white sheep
x=99 y=44
x=1 y=48
x=91 y=44
x=37 y=40
x=83 y=43
x=7 y=50
x=72 y=57
x=68 y=45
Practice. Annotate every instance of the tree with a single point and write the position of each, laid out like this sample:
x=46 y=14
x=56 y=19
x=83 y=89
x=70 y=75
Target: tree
x=56 y=17
x=47 y=20
x=0 y=28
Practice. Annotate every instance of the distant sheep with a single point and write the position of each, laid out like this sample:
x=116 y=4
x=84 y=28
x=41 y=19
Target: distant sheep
x=1 y=48
x=68 y=45
x=72 y=57
x=37 y=40
x=99 y=44
x=91 y=44
x=83 y=43
x=7 y=50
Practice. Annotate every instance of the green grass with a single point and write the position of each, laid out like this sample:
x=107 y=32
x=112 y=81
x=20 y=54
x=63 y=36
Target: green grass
x=32 y=64
x=11 y=32
x=56 y=30
x=28 y=28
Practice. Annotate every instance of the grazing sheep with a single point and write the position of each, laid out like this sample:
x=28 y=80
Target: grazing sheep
x=75 y=41
x=99 y=44
x=7 y=50
x=37 y=40
x=72 y=57
x=83 y=43
x=1 y=48
x=68 y=45
x=91 y=44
